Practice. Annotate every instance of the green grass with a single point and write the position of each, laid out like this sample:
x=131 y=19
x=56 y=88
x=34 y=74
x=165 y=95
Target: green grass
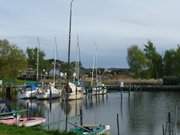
x=13 y=130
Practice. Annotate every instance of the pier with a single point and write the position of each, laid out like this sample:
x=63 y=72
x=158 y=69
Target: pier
x=152 y=88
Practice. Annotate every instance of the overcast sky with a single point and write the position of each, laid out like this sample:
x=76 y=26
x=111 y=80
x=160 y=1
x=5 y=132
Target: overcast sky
x=111 y=26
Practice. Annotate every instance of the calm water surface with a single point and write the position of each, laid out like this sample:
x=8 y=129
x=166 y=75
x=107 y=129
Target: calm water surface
x=140 y=113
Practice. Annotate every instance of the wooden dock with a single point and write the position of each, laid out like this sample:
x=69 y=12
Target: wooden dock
x=144 y=88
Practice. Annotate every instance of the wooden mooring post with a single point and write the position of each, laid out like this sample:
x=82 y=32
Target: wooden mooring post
x=117 y=119
x=81 y=117
x=168 y=129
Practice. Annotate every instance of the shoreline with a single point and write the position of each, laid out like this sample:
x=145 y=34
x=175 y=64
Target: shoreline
x=14 y=130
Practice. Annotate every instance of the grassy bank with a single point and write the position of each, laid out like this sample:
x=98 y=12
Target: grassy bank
x=13 y=130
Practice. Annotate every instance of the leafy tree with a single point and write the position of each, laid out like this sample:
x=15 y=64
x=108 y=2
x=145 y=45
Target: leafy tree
x=169 y=62
x=137 y=61
x=177 y=61
x=32 y=59
x=12 y=60
x=154 y=63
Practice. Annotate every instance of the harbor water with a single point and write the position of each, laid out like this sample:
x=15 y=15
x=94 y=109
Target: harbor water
x=140 y=113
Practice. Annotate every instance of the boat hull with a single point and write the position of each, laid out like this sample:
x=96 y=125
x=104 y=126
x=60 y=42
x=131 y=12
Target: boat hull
x=27 y=95
x=26 y=122
x=99 y=91
x=92 y=130
x=47 y=96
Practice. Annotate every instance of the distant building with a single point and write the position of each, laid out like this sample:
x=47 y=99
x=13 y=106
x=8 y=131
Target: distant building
x=28 y=74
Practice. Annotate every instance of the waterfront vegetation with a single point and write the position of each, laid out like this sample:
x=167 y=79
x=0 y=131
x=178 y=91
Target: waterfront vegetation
x=149 y=63
x=13 y=130
x=14 y=62
x=146 y=63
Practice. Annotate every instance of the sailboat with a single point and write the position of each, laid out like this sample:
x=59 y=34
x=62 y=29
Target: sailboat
x=30 y=90
x=71 y=92
x=99 y=88
x=50 y=91
x=74 y=93
x=77 y=81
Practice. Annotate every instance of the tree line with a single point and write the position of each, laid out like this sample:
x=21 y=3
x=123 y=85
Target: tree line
x=149 y=63
x=14 y=61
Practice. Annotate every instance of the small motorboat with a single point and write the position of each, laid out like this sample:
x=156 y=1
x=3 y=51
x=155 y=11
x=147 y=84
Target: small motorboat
x=26 y=122
x=92 y=130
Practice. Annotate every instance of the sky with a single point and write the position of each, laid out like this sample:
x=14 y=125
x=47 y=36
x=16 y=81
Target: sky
x=104 y=27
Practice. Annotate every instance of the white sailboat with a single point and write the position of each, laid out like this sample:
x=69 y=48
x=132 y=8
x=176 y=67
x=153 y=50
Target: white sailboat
x=72 y=91
x=50 y=92
x=99 y=88
x=77 y=81
x=28 y=91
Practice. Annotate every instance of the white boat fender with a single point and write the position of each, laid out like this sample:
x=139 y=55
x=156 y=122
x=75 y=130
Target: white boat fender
x=107 y=127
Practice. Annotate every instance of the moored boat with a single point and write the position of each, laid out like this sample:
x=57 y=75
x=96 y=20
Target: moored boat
x=29 y=91
x=92 y=130
x=49 y=92
x=74 y=93
x=26 y=122
x=100 y=89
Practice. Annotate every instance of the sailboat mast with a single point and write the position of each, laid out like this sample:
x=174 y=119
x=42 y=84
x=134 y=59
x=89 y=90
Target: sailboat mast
x=78 y=59
x=96 y=67
x=68 y=74
x=69 y=43
x=55 y=57
x=93 y=66
x=37 y=65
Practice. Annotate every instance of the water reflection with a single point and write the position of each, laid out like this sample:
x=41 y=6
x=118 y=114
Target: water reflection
x=95 y=101
x=140 y=113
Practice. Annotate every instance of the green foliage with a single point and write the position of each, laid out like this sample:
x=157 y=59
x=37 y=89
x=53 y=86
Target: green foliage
x=65 y=68
x=154 y=59
x=172 y=62
x=12 y=60
x=137 y=61
x=32 y=59
x=147 y=63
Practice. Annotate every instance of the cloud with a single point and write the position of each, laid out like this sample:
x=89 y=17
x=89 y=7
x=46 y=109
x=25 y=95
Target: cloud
x=112 y=24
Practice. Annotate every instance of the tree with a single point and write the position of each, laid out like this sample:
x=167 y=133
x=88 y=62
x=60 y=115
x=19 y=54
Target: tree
x=12 y=60
x=32 y=59
x=154 y=60
x=169 y=62
x=177 y=61
x=137 y=61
